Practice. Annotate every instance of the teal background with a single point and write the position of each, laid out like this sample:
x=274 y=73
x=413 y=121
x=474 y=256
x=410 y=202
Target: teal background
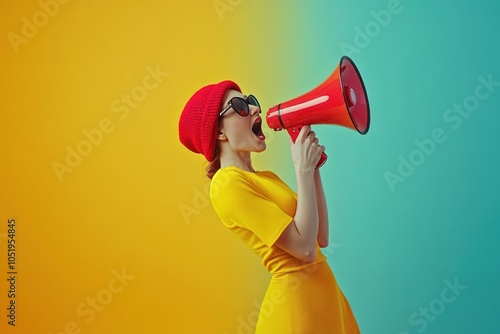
x=394 y=249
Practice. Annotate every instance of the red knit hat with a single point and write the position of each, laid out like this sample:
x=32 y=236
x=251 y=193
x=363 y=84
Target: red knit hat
x=198 y=123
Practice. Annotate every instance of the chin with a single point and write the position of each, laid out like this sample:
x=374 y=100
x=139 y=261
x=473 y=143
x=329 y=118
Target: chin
x=262 y=148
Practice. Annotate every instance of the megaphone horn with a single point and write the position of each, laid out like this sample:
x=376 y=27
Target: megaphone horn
x=341 y=100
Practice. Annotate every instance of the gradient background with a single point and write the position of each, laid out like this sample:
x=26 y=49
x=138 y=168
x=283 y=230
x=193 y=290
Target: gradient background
x=120 y=207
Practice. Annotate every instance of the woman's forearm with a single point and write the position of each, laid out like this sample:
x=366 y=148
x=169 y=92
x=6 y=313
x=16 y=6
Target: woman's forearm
x=301 y=236
x=323 y=229
x=306 y=216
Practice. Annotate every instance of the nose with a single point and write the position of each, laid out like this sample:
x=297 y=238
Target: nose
x=254 y=110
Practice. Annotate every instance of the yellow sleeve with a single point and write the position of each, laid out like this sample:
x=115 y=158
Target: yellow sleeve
x=239 y=203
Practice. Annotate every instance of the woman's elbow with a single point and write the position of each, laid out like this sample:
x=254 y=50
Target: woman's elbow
x=323 y=243
x=308 y=257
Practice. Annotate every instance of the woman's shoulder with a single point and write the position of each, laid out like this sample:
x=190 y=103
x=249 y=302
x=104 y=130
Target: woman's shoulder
x=229 y=183
x=234 y=177
x=230 y=171
x=243 y=174
x=229 y=177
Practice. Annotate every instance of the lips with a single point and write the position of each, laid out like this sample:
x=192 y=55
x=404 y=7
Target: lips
x=257 y=129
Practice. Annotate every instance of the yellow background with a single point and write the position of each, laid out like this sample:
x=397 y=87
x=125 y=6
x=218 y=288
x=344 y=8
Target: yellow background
x=119 y=207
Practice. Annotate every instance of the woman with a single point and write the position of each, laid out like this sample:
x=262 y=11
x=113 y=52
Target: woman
x=286 y=229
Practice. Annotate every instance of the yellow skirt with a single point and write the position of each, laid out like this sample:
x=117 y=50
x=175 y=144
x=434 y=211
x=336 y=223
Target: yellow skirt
x=307 y=301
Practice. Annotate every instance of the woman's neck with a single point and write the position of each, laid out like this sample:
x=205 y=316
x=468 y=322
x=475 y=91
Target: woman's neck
x=242 y=160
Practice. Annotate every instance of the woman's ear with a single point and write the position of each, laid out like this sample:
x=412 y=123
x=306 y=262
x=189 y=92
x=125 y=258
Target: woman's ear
x=221 y=136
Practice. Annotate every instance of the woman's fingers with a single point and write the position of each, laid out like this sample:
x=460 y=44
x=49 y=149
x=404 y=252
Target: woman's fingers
x=304 y=132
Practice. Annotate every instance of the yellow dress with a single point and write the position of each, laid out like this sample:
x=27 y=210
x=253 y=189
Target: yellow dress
x=302 y=298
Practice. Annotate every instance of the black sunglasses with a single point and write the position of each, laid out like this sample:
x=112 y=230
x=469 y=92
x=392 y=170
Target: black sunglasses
x=241 y=106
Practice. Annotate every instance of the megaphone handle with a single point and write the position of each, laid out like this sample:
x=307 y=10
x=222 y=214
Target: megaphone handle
x=294 y=133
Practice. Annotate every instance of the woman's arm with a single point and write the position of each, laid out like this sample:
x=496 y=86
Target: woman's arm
x=300 y=236
x=323 y=235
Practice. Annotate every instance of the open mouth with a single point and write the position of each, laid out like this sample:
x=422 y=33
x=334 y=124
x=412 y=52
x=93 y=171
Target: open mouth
x=257 y=129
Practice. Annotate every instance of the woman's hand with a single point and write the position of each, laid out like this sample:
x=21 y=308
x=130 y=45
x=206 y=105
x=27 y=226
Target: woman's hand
x=306 y=150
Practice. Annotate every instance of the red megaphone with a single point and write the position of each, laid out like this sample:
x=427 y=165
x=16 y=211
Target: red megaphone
x=340 y=100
